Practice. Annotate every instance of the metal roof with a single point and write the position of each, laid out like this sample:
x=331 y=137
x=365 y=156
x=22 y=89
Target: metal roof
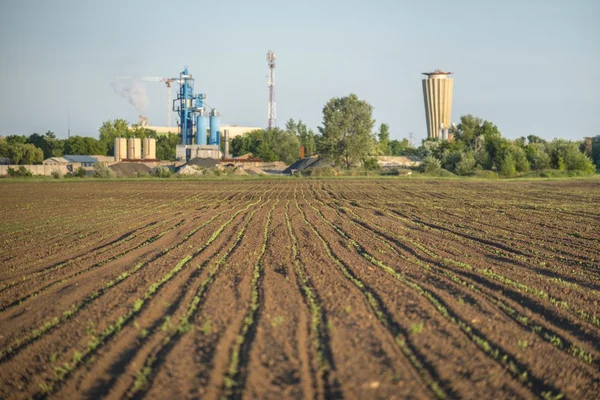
x=81 y=159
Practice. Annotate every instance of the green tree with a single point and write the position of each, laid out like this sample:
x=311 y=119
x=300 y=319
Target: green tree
x=466 y=165
x=468 y=129
x=25 y=154
x=399 y=147
x=110 y=130
x=346 y=131
x=383 y=137
x=165 y=146
x=508 y=166
x=430 y=164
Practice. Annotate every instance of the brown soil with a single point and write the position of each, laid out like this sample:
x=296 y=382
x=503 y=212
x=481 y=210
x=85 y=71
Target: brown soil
x=300 y=289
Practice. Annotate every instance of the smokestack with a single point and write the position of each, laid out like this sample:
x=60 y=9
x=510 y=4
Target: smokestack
x=226 y=133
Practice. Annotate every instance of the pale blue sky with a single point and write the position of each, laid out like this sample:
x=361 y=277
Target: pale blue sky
x=528 y=66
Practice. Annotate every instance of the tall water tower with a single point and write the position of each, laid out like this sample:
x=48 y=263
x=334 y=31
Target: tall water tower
x=437 y=94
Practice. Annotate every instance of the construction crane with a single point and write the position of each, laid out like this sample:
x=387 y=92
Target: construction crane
x=167 y=81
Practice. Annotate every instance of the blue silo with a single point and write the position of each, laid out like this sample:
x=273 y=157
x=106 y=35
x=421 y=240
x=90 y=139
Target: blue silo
x=215 y=124
x=201 y=124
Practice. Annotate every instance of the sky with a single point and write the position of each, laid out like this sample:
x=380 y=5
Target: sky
x=529 y=67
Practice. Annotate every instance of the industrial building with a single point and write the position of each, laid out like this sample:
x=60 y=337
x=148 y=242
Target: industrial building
x=234 y=130
x=437 y=94
x=135 y=149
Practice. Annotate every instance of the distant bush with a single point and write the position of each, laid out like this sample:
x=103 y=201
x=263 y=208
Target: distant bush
x=484 y=174
x=553 y=173
x=466 y=165
x=56 y=174
x=102 y=171
x=141 y=174
x=371 y=164
x=440 y=173
x=80 y=172
x=162 y=172
x=21 y=172
x=430 y=164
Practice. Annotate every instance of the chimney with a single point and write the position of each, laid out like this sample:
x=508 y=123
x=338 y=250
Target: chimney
x=227 y=143
x=302 y=152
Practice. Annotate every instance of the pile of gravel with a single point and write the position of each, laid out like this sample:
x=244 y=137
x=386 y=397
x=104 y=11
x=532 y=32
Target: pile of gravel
x=129 y=170
x=203 y=162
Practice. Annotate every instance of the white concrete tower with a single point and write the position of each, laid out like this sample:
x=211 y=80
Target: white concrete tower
x=437 y=93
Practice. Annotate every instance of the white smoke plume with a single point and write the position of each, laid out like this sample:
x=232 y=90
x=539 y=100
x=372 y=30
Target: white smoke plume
x=136 y=95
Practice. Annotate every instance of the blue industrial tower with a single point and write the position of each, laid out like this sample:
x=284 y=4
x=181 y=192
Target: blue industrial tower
x=192 y=118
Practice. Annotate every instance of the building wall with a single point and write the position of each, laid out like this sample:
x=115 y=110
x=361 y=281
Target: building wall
x=45 y=170
x=437 y=94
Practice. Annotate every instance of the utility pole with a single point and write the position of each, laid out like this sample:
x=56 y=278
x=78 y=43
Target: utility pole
x=272 y=114
x=69 y=129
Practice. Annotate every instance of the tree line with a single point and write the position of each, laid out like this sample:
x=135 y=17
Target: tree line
x=347 y=139
x=34 y=149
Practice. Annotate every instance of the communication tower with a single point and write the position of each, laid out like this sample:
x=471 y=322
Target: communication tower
x=272 y=107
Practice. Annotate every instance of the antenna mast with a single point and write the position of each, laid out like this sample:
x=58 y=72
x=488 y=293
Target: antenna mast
x=272 y=107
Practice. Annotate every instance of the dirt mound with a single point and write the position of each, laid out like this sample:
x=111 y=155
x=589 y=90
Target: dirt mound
x=129 y=170
x=203 y=162
x=239 y=171
x=255 y=171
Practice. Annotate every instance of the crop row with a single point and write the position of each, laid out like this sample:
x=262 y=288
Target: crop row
x=494 y=352
x=141 y=303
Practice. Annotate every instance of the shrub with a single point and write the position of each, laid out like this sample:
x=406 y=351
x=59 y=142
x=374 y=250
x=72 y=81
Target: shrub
x=162 y=172
x=371 y=163
x=80 y=172
x=508 y=166
x=466 y=165
x=56 y=174
x=442 y=173
x=430 y=164
x=102 y=171
x=486 y=174
x=20 y=172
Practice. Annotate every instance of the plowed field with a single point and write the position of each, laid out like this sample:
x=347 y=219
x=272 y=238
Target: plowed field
x=300 y=289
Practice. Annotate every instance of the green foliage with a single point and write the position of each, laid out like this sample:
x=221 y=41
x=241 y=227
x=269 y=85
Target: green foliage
x=466 y=165
x=25 y=154
x=110 y=130
x=48 y=143
x=165 y=146
x=268 y=145
x=20 y=172
x=80 y=172
x=430 y=164
x=56 y=174
x=162 y=172
x=371 y=164
x=102 y=171
x=450 y=159
x=306 y=136
x=478 y=146
x=508 y=166
x=84 y=146
x=565 y=155
x=346 y=132
x=383 y=137
x=400 y=148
